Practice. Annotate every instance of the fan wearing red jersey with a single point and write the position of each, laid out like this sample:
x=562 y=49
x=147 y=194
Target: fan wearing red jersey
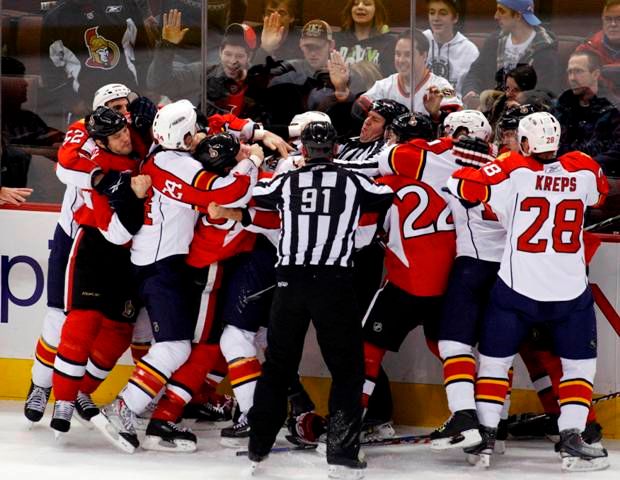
x=540 y=200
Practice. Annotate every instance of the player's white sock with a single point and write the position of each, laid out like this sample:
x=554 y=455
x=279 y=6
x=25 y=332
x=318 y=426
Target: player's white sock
x=459 y=372
x=491 y=388
x=576 y=392
x=45 y=354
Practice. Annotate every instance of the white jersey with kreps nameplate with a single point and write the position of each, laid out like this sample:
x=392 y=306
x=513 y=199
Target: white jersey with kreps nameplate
x=542 y=208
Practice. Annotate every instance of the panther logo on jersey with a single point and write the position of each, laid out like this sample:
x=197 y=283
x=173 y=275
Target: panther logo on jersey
x=377 y=327
x=104 y=53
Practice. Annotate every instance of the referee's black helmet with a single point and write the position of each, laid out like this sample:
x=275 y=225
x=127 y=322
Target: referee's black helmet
x=318 y=140
x=218 y=152
x=413 y=125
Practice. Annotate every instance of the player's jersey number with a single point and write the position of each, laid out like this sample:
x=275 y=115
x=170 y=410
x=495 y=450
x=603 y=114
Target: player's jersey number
x=443 y=222
x=567 y=225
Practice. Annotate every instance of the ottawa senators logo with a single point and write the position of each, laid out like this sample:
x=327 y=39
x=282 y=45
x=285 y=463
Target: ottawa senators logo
x=104 y=53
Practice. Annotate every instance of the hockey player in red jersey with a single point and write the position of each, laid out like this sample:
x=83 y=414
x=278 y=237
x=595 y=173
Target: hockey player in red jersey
x=540 y=200
x=420 y=249
x=180 y=186
x=75 y=153
x=99 y=293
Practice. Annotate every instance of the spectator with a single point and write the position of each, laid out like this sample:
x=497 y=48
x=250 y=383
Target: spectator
x=606 y=43
x=226 y=80
x=320 y=81
x=432 y=92
x=451 y=53
x=14 y=196
x=91 y=44
x=590 y=123
x=364 y=35
x=279 y=37
x=520 y=39
x=521 y=78
x=22 y=127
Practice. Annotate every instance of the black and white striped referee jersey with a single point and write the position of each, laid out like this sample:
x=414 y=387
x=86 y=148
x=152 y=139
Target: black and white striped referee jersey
x=320 y=206
x=360 y=156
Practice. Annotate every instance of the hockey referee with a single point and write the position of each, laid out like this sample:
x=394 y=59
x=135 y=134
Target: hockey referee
x=319 y=207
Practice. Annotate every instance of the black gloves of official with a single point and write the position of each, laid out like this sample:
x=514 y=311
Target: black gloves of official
x=472 y=152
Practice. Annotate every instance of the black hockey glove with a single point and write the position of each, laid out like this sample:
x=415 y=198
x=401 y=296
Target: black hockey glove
x=143 y=112
x=473 y=152
x=115 y=185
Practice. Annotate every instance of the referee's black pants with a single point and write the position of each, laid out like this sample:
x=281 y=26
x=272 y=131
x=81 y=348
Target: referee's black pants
x=324 y=295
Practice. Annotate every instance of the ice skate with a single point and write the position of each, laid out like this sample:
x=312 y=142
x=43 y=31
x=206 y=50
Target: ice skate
x=219 y=408
x=85 y=409
x=593 y=434
x=36 y=401
x=578 y=456
x=166 y=436
x=255 y=463
x=61 y=418
x=480 y=455
x=459 y=431
x=347 y=468
x=117 y=424
x=236 y=435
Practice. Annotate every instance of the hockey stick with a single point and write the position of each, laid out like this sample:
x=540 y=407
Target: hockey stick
x=292 y=448
x=403 y=440
x=602 y=224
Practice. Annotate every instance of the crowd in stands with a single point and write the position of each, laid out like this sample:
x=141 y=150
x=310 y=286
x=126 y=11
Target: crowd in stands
x=272 y=71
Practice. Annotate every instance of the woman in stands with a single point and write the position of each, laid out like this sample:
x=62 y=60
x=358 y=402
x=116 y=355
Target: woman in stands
x=451 y=53
x=364 y=35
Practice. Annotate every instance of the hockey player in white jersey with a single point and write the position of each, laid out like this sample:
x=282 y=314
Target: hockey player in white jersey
x=540 y=200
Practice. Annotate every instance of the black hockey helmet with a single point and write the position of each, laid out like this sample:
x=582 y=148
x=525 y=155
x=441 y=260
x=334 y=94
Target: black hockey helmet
x=388 y=109
x=318 y=138
x=511 y=118
x=413 y=125
x=217 y=152
x=104 y=122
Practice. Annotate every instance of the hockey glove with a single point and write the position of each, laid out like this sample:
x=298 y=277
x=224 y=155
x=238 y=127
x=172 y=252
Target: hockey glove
x=114 y=184
x=143 y=112
x=473 y=152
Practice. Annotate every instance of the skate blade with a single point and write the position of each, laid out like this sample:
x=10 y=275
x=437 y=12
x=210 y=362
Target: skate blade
x=468 y=438
x=577 y=464
x=59 y=437
x=142 y=423
x=229 y=442
x=500 y=447
x=344 y=473
x=253 y=470
x=482 y=460
x=86 y=423
x=158 y=444
x=102 y=424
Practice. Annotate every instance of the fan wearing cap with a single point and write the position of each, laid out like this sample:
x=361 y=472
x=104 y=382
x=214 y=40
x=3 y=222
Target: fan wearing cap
x=520 y=39
x=319 y=81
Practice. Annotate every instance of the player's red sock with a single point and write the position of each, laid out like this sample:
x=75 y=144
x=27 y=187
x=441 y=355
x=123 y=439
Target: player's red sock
x=373 y=356
x=77 y=337
x=112 y=341
x=185 y=381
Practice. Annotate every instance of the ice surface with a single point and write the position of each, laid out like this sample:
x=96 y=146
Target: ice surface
x=84 y=455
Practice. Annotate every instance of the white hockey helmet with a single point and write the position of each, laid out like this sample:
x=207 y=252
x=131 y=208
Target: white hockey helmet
x=474 y=121
x=299 y=121
x=542 y=131
x=108 y=92
x=173 y=124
